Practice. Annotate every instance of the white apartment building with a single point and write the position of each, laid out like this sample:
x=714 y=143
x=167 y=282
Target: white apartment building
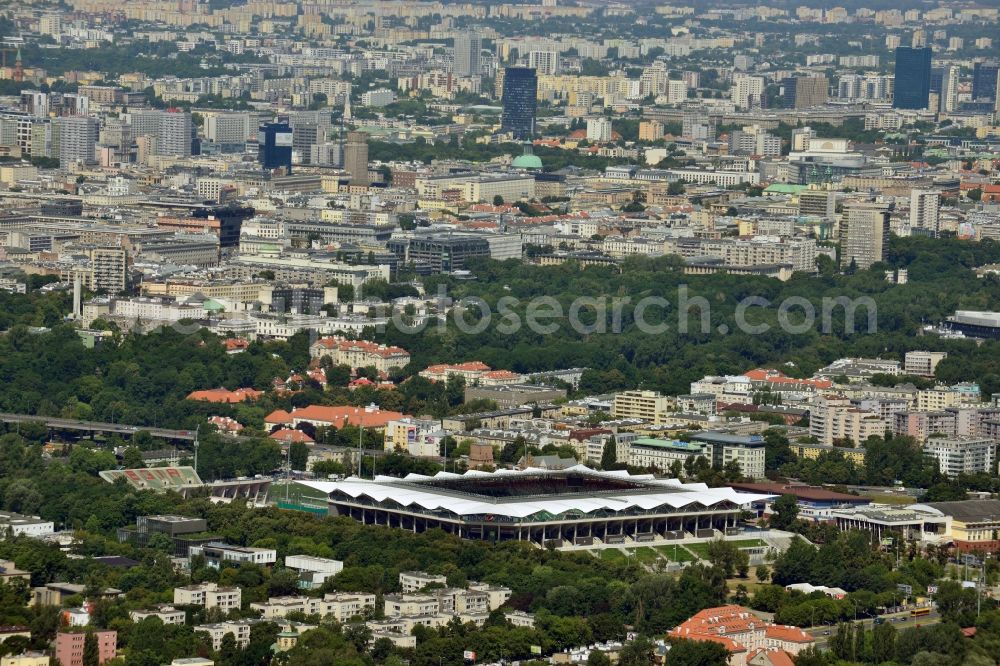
x=228 y=128
x=497 y=595
x=599 y=129
x=544 y=62
x=209 y=595
x=676 y=91
x=414 y=581
x=925 y=210
x=378 y=97
x=216 y=553
x=747 y=90
x=937 y=399
x=509 y=188
x=867 y=226
x=660 y=454
x=171 y=131
x=922 y=363
x=166 y=614
x=217 y=631
x=398 y=605
x=833 y=417
x=962 y=455
x=154 y=309
x=418 y=437
x=646 y=405
x=340 y=606
x=23 y=525
x=77 y=137
x=313 y=571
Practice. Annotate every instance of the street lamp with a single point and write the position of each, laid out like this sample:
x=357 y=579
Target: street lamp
x=197 y=428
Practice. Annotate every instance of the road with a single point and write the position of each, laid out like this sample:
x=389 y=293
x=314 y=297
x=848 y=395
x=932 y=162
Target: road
x=96 y=426
x=898 y=620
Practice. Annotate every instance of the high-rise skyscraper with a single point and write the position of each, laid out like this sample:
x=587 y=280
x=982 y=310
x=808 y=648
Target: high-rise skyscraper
x=912 y=78
x=176 y=129
x=925 y=209
x=356 y=157
x=747 y=91
x=867 y=234
x=544 y=62
x=77 y=139
x=984 y=80
x=171 y=131
x=229 y=131
x=801 y=92
x=468 y=54
x=274 y=146
x=520 y=101
x=949 y=89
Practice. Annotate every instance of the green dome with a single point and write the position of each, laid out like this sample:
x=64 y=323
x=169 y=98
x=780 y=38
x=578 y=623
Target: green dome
x=527 y=159
x=527 y=162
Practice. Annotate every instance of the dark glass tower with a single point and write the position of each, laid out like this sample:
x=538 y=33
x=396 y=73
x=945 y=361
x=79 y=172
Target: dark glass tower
x=913 y=78
x=520 y=100
x=984 y=80
x=274 y=146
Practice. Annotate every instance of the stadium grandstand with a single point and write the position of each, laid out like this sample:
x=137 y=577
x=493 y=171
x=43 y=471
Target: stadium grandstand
x=577 y=506
x=185 y=480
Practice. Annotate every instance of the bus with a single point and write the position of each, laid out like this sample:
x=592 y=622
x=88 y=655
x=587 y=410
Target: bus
x=918 y=612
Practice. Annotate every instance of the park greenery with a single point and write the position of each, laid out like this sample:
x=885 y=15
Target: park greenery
x=576 y=598
x=941 y=281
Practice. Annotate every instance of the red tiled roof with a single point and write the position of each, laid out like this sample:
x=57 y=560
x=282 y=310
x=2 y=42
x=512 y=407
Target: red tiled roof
x=226 y=423
x=787 y=634
x=288 y=436
x=346 y=415
x=774 y=657
x=778 y=377
x=278 y=416
x=501 y=374
x=468 y=366
x=334 y=342
x=222 y=395
x=728 y=622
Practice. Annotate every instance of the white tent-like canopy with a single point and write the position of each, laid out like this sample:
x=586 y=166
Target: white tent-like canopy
x=410 y=491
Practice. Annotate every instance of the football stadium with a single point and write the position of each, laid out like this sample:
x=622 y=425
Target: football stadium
x=577 y=506
x=185 y=480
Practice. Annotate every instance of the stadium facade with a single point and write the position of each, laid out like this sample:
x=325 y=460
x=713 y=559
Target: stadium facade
x=572 y=506
x=185 y=480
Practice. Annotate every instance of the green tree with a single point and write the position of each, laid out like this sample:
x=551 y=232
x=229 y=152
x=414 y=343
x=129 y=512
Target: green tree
x=636 y=653
x=298 y=455
x=784 y=512
x=132 y=458
x=796 y=564
x=609 y=456
x=883 y=643
x=228 y=649
x=685 y=652
x=91 y=650
x=598 y=658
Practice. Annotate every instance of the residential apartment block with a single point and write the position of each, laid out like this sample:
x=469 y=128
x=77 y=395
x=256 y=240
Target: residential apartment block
x=341 y=606
x=836 y=418
x=209 y=595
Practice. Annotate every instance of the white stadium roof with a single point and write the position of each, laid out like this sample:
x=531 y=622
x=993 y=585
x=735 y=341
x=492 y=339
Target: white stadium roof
x=409 y=491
